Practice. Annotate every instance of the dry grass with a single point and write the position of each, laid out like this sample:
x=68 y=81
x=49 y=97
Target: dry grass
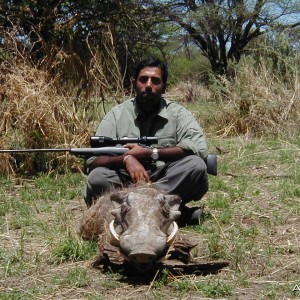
x=53 y=102
x=34 y=114
x=257 y=103
x=189 y=91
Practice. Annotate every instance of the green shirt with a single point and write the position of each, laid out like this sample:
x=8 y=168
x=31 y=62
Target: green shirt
x=173 y=125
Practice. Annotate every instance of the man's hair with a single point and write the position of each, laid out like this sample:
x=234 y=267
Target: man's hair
x=154 y=63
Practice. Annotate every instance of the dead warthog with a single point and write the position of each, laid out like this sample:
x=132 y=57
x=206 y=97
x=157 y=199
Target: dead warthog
x=139 y=221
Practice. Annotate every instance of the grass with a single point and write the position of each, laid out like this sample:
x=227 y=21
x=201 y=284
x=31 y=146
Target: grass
x=251 y=218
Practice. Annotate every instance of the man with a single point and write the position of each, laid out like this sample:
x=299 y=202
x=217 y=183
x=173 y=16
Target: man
x=176 y=164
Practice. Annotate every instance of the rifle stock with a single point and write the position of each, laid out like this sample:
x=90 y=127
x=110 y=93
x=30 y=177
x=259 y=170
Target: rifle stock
x=98 y=151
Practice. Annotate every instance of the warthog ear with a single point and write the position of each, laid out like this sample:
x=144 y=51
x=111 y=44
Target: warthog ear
x=119 y=201
x=118 y=198
x=173 y=203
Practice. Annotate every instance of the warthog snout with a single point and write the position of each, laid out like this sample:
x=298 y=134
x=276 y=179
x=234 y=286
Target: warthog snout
x=142 y=258
x=142 y=261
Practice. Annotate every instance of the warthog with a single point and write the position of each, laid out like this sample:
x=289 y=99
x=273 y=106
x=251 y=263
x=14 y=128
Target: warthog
x=139 y=220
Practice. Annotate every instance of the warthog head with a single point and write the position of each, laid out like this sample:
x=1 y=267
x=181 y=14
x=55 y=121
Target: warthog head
x=144 y=225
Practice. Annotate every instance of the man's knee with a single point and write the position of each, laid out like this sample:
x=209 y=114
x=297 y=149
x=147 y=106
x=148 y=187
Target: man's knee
x=97 y=177
x=187 y=178
x=196 y=165
x=96 y=185
x=198 y=178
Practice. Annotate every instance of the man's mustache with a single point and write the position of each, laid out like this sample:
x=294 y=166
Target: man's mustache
x=147 y=94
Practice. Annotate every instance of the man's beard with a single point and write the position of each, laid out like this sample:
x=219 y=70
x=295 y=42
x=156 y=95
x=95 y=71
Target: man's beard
x=148 y=102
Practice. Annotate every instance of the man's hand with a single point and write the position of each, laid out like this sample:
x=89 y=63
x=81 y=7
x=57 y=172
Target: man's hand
x=131 y=162
x=135 y=169
x=137 y=151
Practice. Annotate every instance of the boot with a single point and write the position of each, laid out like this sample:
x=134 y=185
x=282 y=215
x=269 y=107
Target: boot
x=190 y=216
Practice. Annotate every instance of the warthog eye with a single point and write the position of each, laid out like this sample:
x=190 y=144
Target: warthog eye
x=166 y=211
x=164 y=205
x=124 y=209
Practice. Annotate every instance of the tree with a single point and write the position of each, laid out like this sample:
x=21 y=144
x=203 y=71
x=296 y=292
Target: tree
x=222 y=29
x=51 y=32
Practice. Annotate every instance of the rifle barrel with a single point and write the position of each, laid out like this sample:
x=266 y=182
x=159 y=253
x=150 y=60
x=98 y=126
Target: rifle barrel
x=34 y=150
x=74 y=151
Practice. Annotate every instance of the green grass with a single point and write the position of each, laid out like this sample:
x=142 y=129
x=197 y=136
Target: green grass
x=72 y=249
x=251 y=219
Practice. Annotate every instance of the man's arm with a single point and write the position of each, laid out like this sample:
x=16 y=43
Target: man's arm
x=172 y=153
x=139 y=153
x=132 y=160
x=112 y=162
x=190 y=134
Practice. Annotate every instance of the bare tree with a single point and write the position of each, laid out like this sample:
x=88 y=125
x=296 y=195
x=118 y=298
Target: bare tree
x=223 y=28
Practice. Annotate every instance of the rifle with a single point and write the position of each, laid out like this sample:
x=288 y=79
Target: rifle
x=102 y=145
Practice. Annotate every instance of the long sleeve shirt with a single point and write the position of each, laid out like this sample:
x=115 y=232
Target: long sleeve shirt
x=173 y=125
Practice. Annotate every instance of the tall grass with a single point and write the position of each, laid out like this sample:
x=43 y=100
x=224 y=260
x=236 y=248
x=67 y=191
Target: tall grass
x=262 y=98
x=35 y=112
x=52 y=103
x=257 y=102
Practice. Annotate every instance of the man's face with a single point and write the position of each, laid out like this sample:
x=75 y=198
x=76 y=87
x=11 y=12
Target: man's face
x=148 y=87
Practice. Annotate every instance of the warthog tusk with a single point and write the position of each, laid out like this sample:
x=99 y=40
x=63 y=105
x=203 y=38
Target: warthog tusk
x=173 y=234
x=113 y=231
x=170 y=239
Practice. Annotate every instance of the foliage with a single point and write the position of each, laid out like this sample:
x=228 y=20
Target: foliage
x=257 y=102
x=187 y=64
x=223 y=29
x=63 y=37
x=279 y=53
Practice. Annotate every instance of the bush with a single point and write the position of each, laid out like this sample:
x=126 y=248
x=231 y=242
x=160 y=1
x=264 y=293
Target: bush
x=184 y=69
x=34 y=114
x=258 y=102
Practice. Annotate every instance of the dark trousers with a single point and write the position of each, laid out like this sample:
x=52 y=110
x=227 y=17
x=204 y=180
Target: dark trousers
x=186 y=178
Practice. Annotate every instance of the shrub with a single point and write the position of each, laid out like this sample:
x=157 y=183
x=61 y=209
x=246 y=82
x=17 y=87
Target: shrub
x=257 y=102
x=34 y=114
